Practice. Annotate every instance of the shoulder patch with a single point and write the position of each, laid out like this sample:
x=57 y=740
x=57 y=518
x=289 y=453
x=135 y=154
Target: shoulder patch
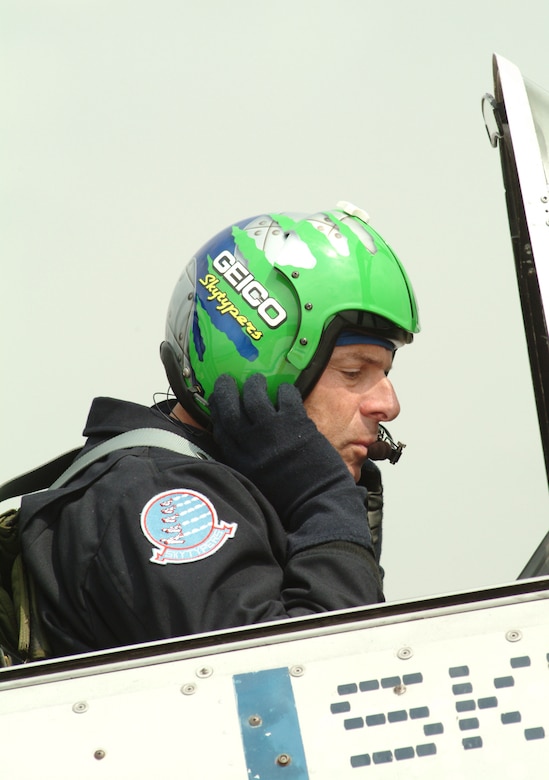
x=183 y=526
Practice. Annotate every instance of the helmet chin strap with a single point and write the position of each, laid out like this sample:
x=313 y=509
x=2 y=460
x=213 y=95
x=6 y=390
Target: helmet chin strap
x=184 y=395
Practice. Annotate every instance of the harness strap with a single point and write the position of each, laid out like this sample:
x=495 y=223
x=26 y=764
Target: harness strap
x=65 y=467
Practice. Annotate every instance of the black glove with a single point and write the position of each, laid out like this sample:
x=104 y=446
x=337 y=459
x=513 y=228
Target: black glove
x=283 y=453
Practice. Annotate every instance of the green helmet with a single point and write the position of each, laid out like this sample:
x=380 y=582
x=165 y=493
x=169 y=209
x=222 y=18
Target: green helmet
x=271 y=294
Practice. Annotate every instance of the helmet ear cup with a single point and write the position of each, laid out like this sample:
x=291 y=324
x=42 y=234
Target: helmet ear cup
x=175 y=378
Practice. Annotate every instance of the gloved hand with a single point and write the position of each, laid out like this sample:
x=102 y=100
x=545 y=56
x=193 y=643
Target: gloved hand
x=296 y=468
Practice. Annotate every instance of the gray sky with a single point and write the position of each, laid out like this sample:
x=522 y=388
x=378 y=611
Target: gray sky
x=134 y=130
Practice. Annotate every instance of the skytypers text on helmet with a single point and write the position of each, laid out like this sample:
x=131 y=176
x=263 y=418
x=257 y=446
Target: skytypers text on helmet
x=226 y=306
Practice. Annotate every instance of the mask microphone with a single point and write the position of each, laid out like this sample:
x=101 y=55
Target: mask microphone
x=385 y=448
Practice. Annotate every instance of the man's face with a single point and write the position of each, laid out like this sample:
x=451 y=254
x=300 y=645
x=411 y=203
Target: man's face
x=351 y=397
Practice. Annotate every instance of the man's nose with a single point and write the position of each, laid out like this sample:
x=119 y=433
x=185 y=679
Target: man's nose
x=381 y=401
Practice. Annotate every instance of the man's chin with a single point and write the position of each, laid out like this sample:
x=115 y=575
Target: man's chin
x=354 y=460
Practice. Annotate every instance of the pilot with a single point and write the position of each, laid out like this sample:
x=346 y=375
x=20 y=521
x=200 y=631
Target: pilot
x=280 y=337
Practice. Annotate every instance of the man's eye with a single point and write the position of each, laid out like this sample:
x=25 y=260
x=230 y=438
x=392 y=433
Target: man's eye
x=350 y=374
